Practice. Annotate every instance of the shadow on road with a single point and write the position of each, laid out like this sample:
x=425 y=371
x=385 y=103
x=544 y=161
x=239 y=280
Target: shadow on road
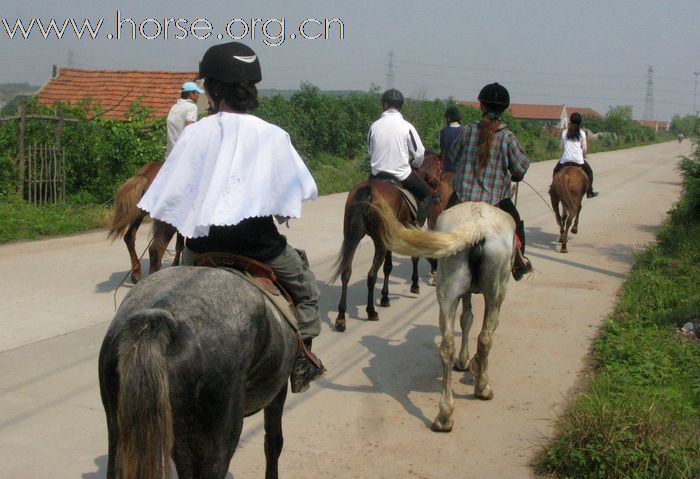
x=395 y=369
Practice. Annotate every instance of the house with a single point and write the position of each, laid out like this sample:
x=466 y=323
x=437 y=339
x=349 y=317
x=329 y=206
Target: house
x=115 y=90
x=658 y=126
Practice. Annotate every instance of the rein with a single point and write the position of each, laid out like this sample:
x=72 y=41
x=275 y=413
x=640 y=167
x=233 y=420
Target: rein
x=537 y=193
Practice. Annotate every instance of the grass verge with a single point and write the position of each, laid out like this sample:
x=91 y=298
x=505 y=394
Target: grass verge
x=20 y=220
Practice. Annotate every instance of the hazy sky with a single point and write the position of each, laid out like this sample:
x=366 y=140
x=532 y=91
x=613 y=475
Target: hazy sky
x=594 y=53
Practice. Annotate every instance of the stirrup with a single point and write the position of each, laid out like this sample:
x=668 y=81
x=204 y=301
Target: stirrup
x=307 y=368
x=521 y=267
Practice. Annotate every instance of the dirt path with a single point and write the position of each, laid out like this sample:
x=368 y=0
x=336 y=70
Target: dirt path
x=370 y=416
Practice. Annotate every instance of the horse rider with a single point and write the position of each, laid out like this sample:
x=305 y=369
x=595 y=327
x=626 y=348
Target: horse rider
x=574 y=150
x=448 y=135
x=182 y=113
x=226 y=178
x=391 y=142
x=488 y=158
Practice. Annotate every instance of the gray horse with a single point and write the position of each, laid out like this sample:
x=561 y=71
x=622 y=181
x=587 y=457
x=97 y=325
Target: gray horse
x=189 y=354
x=475 y=247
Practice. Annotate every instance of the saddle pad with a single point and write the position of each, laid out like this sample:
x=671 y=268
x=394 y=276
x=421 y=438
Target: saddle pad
x=407 y=195
x=273 y=293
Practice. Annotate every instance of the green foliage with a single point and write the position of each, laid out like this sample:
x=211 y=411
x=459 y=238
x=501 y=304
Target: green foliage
x=689 y=125
x=20 y=220
x=640 y=416
x=99 y=154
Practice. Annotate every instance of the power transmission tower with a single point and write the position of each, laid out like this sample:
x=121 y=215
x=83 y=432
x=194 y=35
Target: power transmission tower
x=390 y=71
x=649 y=103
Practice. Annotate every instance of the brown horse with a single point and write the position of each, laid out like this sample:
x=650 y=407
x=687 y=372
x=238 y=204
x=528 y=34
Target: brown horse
x=360 y=220
x=568 y=187
x=127 y=218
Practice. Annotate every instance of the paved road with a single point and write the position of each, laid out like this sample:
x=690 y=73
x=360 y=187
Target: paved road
x=369 y=417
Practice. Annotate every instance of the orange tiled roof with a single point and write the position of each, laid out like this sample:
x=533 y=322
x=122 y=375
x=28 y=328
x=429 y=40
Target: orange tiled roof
x=528 y=112
x=583 y=111
x=115 y=90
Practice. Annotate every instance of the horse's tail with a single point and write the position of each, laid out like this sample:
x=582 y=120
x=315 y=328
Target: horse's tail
x=354 y=229
x=125 y=209
x=572 y=189
x=414 y=242
x=144 y=415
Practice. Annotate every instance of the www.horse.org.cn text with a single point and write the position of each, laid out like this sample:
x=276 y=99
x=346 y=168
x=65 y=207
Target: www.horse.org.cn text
x=271 y=31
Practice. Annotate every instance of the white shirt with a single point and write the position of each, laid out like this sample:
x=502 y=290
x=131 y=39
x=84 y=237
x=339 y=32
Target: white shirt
x=181 y=112
x=390 y=141
x=573 y=150
x=225 y=168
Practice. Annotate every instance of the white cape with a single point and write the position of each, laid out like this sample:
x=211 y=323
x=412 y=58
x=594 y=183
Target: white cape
x=226 y=168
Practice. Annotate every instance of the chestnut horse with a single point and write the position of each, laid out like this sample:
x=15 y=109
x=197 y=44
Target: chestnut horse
x=475 y=246
x=360 y=220
x=191 y=352
x=568 y=187
x=127 y=218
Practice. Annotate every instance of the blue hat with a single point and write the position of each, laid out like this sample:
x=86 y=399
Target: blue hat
x=191 y=86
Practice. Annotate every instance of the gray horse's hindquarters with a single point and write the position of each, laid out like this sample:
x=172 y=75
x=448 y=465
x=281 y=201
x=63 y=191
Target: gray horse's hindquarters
x=220 y=349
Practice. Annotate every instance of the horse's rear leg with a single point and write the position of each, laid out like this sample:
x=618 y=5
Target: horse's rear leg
x=415 y=287
x=448 y=299
x=568 y=219
x=433 y=271
x=574 y=228
x=480 y=362
x=273 y=434
x=465 y=322
x=130 y=240
x=205 y=451
x=380 y=255
x=162 y=234
x=340 y=322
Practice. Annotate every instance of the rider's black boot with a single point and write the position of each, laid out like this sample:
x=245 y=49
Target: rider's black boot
x=307 y=367
x=522 y=264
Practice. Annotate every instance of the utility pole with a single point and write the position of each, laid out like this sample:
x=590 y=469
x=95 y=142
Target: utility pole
x=390 y=71
x=695 y=94
x=649 y=104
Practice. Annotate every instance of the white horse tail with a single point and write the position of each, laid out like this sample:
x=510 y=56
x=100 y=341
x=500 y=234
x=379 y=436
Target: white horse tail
x=414 y=242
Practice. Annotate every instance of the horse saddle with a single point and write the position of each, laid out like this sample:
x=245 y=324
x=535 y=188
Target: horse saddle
x=256 y=273
x=405 y=194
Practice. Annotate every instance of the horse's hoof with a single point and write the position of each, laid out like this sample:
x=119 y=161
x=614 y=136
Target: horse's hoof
x=385 y=302
x=415 y=289
x=373 y=316
x=461 y=367
x=440 y=425
x=135 y=278
x=563 y=250
x=574 y=230
x=340 y=325
x=486 y=394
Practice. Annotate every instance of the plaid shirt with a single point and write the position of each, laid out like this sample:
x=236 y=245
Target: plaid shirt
x=492 y=184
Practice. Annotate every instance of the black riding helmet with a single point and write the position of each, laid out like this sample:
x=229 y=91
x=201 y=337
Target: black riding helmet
x=495 y=97
x=392 y=97
x=231 y=62
x=452 y=114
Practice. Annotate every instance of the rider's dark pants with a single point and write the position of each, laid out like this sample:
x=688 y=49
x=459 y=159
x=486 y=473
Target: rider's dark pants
x=418 y=186
x=586 y=167
x=507 y=206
